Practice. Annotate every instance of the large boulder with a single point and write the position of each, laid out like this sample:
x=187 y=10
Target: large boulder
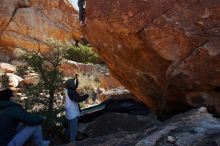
x=115 y=122
x=166 y=52
x=30 y=23
x=107 y=81
x=194 y=128
x=111 y=129
x=197 y=128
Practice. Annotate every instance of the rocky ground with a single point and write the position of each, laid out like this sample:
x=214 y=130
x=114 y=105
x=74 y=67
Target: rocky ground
x=194 y=128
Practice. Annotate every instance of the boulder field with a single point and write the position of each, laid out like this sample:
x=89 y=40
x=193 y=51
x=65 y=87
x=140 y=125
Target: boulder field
x=165 y=52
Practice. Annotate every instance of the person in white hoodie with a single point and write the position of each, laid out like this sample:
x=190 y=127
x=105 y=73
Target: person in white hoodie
x=72 y=110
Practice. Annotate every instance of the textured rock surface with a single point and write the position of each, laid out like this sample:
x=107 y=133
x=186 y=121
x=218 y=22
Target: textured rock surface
x=194 y=128
x=70 y=68
x=197 y=128
x=29 y=23
x=114 y=122
x=166 y=52
x=117 y=94
x=111 y=129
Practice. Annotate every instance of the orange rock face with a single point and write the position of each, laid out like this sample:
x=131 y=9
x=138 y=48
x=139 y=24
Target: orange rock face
x=166 y=52
x=30 y=23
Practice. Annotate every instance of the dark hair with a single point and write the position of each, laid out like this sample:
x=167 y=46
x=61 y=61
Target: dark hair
x=6 y=94
x=70 y=84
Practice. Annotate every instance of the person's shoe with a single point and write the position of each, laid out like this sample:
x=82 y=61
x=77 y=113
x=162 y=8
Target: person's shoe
x=46 y=142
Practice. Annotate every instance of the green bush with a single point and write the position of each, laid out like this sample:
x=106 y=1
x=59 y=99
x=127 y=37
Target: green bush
x=44 y=94
x=83 y=54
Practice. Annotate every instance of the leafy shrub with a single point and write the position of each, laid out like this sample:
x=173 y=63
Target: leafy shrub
x=43 y=96
x=83 y=54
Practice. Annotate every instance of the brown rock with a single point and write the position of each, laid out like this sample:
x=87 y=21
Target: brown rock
x=5 y=54
x=108 y=82
x=117 y=94
x=162 y=51
x=70 y=68
x=30 y=23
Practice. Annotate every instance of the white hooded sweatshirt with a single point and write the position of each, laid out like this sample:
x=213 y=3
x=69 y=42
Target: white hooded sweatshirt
x=71 y=107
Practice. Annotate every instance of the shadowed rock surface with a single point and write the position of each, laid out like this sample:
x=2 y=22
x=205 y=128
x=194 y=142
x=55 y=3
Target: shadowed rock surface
x=117 y=128
x=194 y=128
x=166 y=52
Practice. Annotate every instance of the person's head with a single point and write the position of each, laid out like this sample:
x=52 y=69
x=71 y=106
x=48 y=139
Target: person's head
x=70 y=84
x=6 y=94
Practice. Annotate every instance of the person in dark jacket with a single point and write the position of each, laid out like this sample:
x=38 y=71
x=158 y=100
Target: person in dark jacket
x=81 y=5
x=12 y=115
x=72 y=111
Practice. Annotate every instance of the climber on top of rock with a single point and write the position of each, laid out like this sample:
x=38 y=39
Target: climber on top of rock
x=81 y=5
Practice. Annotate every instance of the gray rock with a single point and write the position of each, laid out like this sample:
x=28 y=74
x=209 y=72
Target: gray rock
x=194 y=128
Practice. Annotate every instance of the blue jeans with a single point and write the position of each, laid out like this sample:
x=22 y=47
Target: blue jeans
x=28 y=132
x=72 y=129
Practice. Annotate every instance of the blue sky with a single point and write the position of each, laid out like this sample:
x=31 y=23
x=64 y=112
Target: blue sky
x=75 y=3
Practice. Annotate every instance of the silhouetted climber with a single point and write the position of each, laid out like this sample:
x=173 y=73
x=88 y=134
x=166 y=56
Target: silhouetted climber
x=82 y=12
x=12 y=115
x=72 y=111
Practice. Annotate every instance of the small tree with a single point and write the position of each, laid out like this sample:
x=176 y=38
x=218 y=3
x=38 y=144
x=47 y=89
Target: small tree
x=50 y=76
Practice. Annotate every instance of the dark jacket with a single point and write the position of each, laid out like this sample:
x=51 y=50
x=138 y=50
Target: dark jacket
x=71 y=86
x=11 y=114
